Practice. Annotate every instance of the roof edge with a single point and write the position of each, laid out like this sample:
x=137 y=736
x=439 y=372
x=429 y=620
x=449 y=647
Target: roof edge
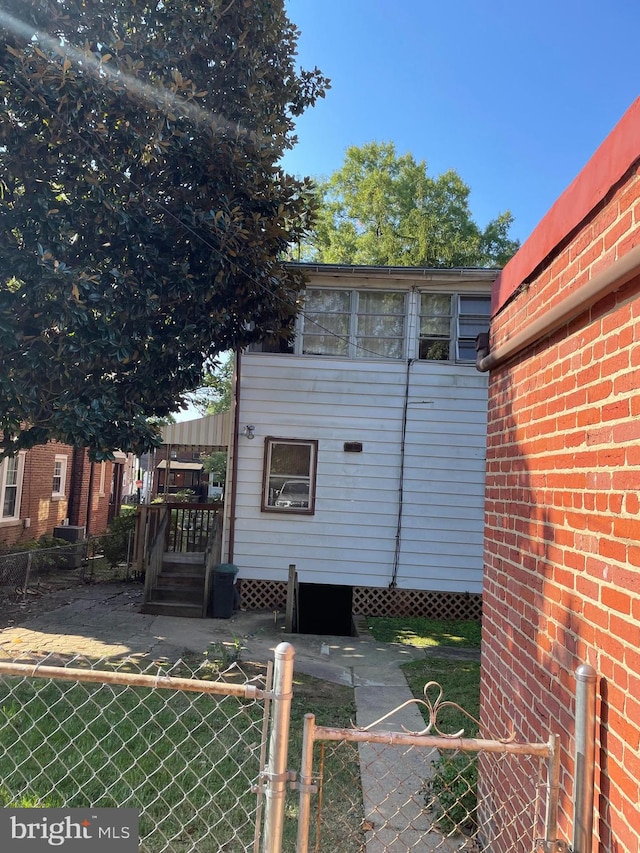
x=397 y=272
x=615 y=156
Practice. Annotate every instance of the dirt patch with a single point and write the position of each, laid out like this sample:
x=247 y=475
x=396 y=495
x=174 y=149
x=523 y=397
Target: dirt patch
x=47 y=593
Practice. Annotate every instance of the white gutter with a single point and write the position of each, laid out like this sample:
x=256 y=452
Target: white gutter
x=608 y=281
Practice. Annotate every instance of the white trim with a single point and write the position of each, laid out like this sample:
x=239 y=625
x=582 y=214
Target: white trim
x=3 y=484
x=103 y=477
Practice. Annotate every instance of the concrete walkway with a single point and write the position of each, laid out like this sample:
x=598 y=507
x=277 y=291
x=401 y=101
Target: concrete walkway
x=104 y=621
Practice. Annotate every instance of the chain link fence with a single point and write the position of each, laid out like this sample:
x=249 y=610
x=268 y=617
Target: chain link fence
x=206 y=756
x=24 y=573
x=181 y=746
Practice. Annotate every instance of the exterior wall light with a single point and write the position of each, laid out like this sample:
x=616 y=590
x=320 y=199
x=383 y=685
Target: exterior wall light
x=248 y=431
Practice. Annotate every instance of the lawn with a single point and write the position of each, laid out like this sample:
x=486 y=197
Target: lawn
x=451 y=792
x=422 y=632
x=460 y=682
x=187 y=761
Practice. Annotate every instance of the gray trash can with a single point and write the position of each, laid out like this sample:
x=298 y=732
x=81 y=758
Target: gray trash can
x=223 y=591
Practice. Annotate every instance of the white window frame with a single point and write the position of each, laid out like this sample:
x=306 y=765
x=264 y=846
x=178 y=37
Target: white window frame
x=103 y=478
x=4 y=468
x=62 y=461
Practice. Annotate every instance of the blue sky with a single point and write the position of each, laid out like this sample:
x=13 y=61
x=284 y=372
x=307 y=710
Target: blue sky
x=514 y=96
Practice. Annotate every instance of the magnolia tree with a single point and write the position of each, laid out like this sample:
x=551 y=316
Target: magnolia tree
x=143 y=214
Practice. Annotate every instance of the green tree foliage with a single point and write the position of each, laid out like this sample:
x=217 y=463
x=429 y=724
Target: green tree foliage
x=215 y=464
x=143 y=213
x=384 y=209
x=216 y=394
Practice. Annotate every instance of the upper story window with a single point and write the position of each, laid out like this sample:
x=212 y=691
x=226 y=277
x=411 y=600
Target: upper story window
x=11 y=474
x=449 y=324
x=59 y=477
x=356 y=324
x=387 y=325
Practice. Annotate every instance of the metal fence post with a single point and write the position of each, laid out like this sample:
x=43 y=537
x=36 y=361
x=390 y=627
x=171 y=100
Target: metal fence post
x=584 y=762
x=553 y=785
x=276 y=775
x=305 y=787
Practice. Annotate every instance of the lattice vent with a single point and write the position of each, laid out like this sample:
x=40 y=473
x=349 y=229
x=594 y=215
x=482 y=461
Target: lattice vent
x=372 y=601
x=263 y=595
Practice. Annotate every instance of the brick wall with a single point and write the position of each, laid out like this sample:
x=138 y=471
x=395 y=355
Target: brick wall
x=562 y=558
x=45 y=511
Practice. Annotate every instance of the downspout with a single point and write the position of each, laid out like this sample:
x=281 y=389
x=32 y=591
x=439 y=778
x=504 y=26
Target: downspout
x=234 y=454
x=403 y=440
x=608 y=281
x=75 y=480
x=87 y=531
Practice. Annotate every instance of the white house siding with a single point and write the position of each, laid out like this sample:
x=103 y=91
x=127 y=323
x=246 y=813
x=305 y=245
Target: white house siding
x=351 y=538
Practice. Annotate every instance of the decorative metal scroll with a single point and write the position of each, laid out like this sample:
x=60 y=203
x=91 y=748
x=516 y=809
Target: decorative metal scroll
x=435 y=707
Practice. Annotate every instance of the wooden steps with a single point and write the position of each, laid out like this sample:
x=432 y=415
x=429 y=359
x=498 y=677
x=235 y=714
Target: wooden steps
x=179 y=588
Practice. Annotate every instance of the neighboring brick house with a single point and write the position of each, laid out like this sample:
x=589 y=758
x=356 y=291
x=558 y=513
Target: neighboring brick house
x=54 y=484
x=562 y=535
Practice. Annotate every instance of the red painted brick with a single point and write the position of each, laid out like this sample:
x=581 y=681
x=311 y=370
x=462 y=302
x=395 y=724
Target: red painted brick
x=616 y=600
x=568 y=480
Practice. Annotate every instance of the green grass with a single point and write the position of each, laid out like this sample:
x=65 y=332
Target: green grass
x=338 y=808
x=187 y=761
x=451 y=791
x=422 y=632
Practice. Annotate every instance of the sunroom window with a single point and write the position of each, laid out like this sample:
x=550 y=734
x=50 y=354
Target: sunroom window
x=357 y=324
x=449 y=324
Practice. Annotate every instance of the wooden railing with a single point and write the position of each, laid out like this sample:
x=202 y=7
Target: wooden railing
x=191 y=525
x=148 y=521
x=189 y=528
x=177 y=528
x=157 y=523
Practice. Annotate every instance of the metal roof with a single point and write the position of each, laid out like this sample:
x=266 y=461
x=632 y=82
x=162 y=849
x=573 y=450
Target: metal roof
x=180 y=466
x=209 y=431
x=429 y=273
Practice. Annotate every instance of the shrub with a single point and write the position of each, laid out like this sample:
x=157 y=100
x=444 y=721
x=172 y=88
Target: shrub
x=452 y=792
x=115 y=542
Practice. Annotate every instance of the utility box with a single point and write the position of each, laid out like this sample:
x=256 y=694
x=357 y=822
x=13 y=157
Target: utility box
x=71 y=557
x=69 y=532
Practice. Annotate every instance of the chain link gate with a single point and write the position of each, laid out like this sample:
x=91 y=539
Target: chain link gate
x=416 y=791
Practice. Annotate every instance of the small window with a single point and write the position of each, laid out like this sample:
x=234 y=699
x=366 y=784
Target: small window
x=435 y=327
x=449 y=324
x=380 y=329
x=289 y=476
x=327 y=322
x=474 y=315
x=11 y=475
x=59 y=476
